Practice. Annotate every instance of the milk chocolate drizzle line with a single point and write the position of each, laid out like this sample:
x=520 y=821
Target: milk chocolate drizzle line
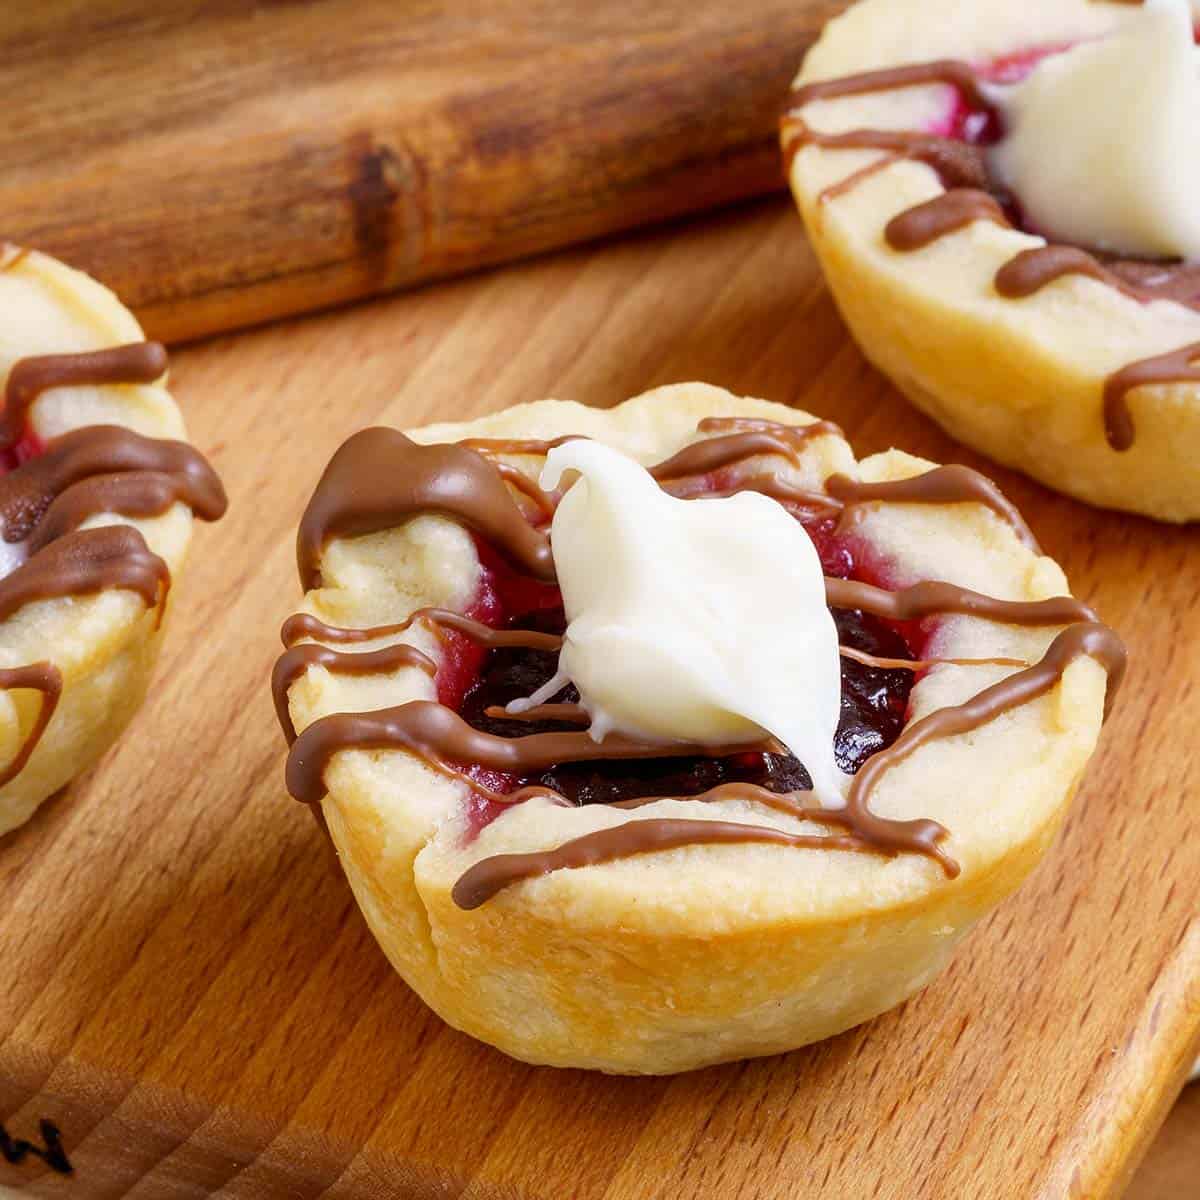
x=140 y=362
x=1178 y=366
x=304 y=625
x=379 y=478
x=923 y=225
x=84 y=563
x=963 y=172
x=437 y=733
x=41 y=677
x=864 y=829
x=479 y=883
x=932 y=597
x=105 y=468
x=88 y=471
x=296 y=661
x=952 y=484
x=455 y=484
x=711 y=454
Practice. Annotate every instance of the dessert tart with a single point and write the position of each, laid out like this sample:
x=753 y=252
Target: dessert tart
x=1002 y=197
x=97 y=495
x=683 y=891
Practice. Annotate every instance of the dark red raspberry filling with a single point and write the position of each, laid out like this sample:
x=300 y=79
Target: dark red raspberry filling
x=471 y=680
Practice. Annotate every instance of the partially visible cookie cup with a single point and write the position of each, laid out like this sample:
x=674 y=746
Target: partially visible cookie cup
x=672 y=960
x=1020 y=380
x=103 y=641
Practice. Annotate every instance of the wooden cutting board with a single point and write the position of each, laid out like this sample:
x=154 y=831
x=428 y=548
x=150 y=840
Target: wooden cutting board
x=189 y=994
x=221 y=164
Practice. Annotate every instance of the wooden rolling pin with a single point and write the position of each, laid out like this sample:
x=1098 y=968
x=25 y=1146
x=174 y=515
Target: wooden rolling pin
x=224 y=164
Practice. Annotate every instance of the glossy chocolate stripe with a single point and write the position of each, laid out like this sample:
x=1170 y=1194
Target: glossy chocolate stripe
x=1039 y=266
x=534 y=447
x=134 y=494
x=84 y=563
x=576 y=714
x=918 y=227
x=295 y=662
x=303 y=625
x=943 y=485
x=437 y=734
x=924 y=664
x=849 y=182
x=41 y=677
x=481 y=882
x=711 y=454
x=935 y=598
x=765 y=484
x=139 y=362
x=797 y=435
x=1176 y=366
x=545 y=502
x=379 y=478
x=70 y=462
x=955 y=163
x=866 y=830
x=949 y=71
x=1089 y=639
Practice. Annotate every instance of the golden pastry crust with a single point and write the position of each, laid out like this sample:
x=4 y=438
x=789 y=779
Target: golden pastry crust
x=1019 y=380
x=673 y=960
x=105 y=644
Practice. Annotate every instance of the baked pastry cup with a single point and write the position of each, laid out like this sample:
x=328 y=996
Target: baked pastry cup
x=97 y=495
x=665 y=959
x=1077 y=372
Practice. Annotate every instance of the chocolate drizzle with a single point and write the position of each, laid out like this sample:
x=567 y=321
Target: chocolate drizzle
x=949 y=71
x=380 y=478
x=957 y=165
x=84 y=563
x=303 y=625
x=1177 y=366
x=104 y=468
x=1089 y=639
x=952 y=484
x=41 y=677
x=296 y=661
x=933 y=597
x=745 y=441
x=139 y=362
x=1039 y=266
x=926 y=223
x=436 y=733
x=479 y=883
x=86 y=472
x=971 y=195
x=386 y=478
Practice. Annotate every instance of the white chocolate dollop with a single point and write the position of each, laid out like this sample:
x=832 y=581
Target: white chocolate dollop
x=692 y=620
x=1103 y=141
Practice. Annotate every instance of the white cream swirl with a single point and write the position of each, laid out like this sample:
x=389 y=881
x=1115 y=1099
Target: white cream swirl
x=692 y=620
x=1103 y=141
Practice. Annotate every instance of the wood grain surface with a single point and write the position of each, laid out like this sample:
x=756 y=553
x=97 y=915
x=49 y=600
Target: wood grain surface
x=191 y=996
x=224 y=163
x=1171 y=1170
